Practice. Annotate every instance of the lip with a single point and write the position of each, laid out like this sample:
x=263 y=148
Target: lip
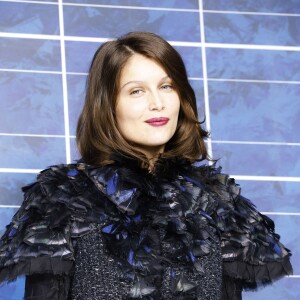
x=157 y=121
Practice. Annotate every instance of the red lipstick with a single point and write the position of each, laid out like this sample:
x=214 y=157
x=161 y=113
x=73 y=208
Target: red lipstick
x=157 y=121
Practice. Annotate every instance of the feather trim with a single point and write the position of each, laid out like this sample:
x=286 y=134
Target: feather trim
x=196 y=207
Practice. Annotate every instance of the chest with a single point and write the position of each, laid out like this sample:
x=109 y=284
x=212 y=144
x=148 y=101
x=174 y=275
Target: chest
x=100 y=275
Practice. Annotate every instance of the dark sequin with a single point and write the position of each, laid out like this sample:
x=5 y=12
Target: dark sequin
x=97 y=276
x=209 y=281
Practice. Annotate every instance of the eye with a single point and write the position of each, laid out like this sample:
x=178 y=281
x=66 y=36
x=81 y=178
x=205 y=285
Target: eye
x=166 y=87
x=136 y=92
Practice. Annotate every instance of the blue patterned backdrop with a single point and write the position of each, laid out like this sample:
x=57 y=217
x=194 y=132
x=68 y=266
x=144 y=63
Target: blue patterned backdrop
x=242 y=59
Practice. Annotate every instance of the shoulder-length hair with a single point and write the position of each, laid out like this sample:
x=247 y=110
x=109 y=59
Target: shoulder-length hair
x=98 y=136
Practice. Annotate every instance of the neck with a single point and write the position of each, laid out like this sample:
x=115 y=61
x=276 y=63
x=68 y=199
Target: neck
x=152 y=154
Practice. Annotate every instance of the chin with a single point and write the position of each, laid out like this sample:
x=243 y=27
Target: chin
x=156 y=143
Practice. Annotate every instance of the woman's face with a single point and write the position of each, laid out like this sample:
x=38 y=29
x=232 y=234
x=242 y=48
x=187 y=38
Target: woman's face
x=147 y=105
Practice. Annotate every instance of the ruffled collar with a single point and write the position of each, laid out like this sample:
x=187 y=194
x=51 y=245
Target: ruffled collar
x=164 y=167
x=124 y=180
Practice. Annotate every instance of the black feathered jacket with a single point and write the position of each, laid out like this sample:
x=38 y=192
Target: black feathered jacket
x=182 y=199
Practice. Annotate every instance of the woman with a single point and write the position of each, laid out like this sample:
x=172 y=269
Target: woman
x=137 y=217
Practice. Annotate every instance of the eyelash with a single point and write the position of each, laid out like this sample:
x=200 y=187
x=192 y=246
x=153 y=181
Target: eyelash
x=134 y=92
x=165 y=86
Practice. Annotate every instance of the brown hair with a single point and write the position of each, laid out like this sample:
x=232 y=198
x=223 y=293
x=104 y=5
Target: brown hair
x=97 y=133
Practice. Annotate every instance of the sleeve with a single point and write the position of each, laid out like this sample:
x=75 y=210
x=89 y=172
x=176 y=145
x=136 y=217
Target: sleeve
x=47 y=287
x=231 y=289
x=253 y=255
x=38 y=239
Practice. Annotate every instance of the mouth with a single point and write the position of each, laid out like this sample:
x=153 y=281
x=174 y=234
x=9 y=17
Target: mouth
x=157 y=121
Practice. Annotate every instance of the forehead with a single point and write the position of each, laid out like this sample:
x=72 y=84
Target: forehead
x=139 y=67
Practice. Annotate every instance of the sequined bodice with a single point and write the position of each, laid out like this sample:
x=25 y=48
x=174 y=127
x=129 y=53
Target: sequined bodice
x=98 y=275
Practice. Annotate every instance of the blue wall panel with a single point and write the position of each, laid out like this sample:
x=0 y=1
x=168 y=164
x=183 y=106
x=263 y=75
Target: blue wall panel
x=78 y=55
x=250 y=53
x=187 y=4
x=35 y=100
x=253 y=64
x=30 y=54
x=192 y=58
x=273 y=195
x=259 y=159
x=112 y=22
x=27 y=152
x=272 y=6
x=10 y=187
x=270 y=112
x=28 y=18
x=252 y=29
x=76 y=92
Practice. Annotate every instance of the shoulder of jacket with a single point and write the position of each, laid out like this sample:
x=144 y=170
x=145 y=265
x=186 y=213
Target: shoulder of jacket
x=59 y=206
x=58 y=177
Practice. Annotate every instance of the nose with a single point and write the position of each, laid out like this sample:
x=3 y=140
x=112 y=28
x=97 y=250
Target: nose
x=155 y=102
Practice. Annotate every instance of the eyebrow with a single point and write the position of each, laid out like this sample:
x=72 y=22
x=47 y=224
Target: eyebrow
x=137 y=81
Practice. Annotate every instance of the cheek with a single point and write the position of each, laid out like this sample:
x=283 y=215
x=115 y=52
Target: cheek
x=127 y=115
x=176 y=106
